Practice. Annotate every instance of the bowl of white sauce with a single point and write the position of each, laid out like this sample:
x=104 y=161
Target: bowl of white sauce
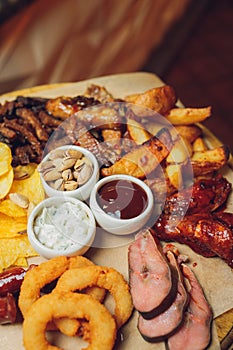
x=61 y=226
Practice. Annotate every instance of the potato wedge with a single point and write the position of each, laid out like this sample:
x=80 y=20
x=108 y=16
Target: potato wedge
x=209 y=160
x=189 y=132
x=137 y=132
x=174 y=174
x=142 y=160
x=187 y=116
x=199 y=145
x=181 y=150
x=113 y=138
x=160 y=99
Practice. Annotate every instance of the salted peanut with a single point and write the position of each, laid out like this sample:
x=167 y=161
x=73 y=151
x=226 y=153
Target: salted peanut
x=19 y=199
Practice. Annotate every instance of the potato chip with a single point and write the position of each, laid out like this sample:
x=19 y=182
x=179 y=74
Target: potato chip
x=24 y=171
x=31 y=188
x=5 y=158
x=12 y=227
x=13 y=249
x=21 y=262
x=6 y=181
x=9 y=208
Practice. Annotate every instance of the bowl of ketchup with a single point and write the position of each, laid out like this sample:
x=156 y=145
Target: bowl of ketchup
x=121 y=204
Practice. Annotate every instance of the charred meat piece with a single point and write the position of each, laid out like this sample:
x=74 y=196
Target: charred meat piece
x=205 y=233
x=166 y=323
x=152 y=282
x=205 y=195
x=30 y=118
x=64 y=107
x=195 y=331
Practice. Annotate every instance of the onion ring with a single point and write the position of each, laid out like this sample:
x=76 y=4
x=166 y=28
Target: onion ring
x=104 y=277
x=46 y=272
x=74 y=305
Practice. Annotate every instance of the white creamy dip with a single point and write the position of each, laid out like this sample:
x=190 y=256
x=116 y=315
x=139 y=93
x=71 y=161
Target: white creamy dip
x=62 y=226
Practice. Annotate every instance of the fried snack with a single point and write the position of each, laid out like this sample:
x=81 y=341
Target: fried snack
x=143 y=159
x=14 y=249
x=104 y=277
x=6 y=181
x=30 y=187
x=73 y=305
x=189 y=132
x=47 y=272
x=37 y=278
x=160 y=99
x=199 y=145
x=71 y=326
x=187 y=116
x=137 y=132
x=209 y=160
x=5 y=158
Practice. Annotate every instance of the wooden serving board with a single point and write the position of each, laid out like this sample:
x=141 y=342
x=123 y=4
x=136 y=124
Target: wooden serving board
x=214 y=275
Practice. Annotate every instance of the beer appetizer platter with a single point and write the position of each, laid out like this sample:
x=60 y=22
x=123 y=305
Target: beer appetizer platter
x=135 y=278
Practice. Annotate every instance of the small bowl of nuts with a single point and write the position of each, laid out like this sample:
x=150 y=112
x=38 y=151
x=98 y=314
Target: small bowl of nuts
x=70 y=171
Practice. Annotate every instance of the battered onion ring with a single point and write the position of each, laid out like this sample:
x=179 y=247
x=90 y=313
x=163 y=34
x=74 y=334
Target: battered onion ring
x=74 y=305
x=69 y=326
x=104 y=277
x=46 y=272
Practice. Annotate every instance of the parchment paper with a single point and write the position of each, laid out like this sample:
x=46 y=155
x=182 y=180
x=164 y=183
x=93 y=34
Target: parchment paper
x=214 y=275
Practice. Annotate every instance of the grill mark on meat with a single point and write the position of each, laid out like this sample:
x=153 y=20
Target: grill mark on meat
x=204 y=195
x=195 y=331
x=153 y=283
x=204 y=233
x=48 y=120
x=167 y=322
x=27 y=134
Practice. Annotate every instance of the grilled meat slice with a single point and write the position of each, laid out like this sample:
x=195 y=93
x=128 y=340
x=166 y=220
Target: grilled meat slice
x=167 y=322
x=195 y=331
x=205 y=233
x=30 y=118
x=153 y=283
x=203 y=196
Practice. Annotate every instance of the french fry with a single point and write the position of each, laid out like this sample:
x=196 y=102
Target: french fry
x=209 y=160
x=160 y=99
x=199 y=145
x=137 y=132
x=187 y=116
x=142 y=160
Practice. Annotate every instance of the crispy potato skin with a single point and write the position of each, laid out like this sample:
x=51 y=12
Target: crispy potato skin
x=143 y=159
x=206 y=161
x=159 y=99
